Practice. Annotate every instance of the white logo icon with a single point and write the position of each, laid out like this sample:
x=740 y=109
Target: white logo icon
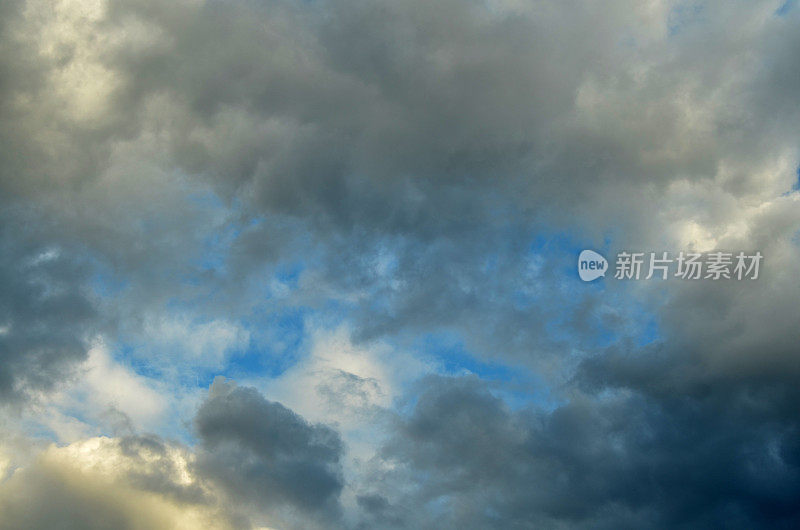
x=591 y=265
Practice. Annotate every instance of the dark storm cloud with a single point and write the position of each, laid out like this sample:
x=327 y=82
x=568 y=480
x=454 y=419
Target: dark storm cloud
x=46 y=315
x=623 y=460
x=394 y=116
x=265 y=454
x=390 y=116
x=408 y=153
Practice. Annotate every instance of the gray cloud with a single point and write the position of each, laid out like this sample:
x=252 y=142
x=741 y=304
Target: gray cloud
x=265 y=454
x=451 y=133
x=626 y=460
x=256 y=461
x=429 y=134
x=408 y=154
x=46 y=314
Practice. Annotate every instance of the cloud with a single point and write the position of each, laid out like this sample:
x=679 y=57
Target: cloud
x=257 y=463
x=346 y=137
x=47 y=317
x=134 y=482
x=265 y=454
x=624 y=460
x=202 y=343
x=421 y=168
x=340 y=381
x=103 y=392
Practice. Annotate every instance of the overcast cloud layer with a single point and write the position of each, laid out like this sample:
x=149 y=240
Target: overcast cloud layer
x=289 y=264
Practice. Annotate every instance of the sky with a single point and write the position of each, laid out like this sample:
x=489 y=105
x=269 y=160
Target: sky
x=312 y=264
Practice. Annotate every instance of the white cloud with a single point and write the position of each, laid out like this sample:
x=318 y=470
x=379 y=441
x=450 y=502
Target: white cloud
x=104 y=393
x=339 y=381
x=203 y=344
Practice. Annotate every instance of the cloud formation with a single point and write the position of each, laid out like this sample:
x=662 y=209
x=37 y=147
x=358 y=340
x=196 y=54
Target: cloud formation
x=134 y=482
x=330 y=200
x=256 y=461
x=624 y=460
x=265 y=454
x=46 y=318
